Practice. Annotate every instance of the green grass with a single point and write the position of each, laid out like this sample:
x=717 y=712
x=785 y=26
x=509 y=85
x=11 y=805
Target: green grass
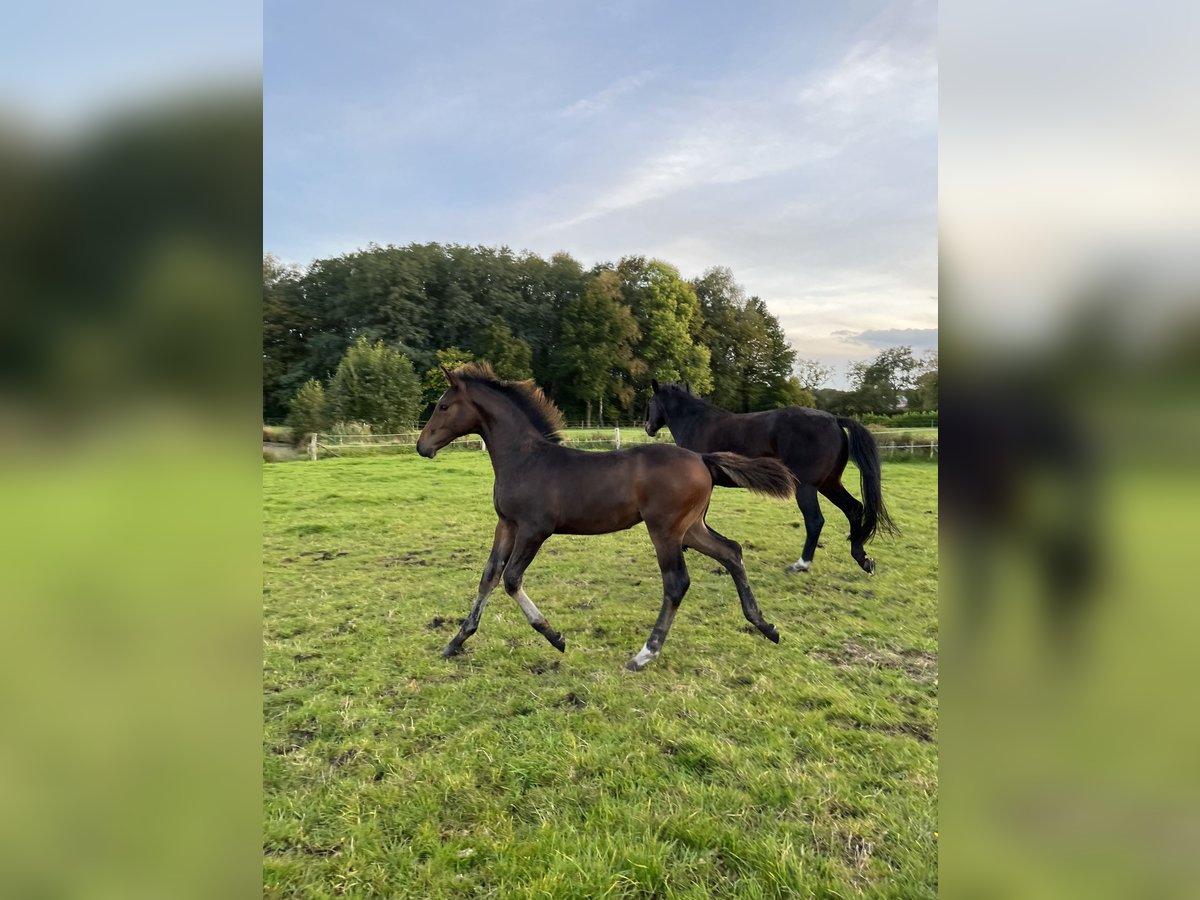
x=730 y=767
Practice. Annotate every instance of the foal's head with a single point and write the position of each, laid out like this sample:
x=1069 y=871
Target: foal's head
x=656 y=415
x=476 y=399
x=453 y=416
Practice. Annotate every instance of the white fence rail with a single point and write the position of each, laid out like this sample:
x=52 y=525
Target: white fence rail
x=595 y=439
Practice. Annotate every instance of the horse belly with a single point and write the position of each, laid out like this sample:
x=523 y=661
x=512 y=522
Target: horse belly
x=590 y=513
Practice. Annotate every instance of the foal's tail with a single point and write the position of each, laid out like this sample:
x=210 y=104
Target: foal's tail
x=866 y=456
x=763 y=476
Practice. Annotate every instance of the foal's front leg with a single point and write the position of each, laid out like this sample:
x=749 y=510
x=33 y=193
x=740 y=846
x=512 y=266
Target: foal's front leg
x=527 y=546
x=502 y=546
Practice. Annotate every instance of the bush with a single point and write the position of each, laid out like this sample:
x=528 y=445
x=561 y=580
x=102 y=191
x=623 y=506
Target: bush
x=278 y=434
x=376 y=385
x=351 y=429
x=915 y=419
x=907 y=419
x=308 y=410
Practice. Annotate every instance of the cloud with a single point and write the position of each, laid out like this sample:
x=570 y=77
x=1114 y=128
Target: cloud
x=917 y=338
x=603 y=99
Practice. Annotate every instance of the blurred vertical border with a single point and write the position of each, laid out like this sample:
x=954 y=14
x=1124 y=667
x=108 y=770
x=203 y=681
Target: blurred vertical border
x=1070 y=334
x=130 y=251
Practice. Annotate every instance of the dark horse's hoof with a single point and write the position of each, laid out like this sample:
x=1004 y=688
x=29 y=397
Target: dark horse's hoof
x=452 y=649
x=868 y=565
x=771 y=633
x=634 y=666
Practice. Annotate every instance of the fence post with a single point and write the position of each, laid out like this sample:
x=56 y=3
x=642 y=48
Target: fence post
x=617 y=437
x=312 y=446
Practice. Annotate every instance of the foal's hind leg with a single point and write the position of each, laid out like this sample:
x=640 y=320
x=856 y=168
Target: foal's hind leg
x=528 y=544
x=675 y=584
x=729 y=554
x=844 y=500
x=814 y=521
x=502 y=546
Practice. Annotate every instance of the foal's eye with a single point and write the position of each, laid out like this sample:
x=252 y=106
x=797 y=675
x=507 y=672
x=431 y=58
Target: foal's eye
x=443 y=406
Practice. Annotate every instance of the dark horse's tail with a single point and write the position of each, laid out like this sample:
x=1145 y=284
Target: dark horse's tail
x=866 y=456
x=763 y=476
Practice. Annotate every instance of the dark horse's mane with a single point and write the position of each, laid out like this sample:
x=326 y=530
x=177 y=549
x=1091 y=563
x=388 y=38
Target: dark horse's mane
x=524 y=395
x=683 y=391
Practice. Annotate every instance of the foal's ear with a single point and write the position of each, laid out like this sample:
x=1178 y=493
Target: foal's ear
x=654 y=384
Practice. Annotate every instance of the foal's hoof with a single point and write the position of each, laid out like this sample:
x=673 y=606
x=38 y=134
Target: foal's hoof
x=634 y=666
x=771 y=633
x=799 y=566
x=555 y=639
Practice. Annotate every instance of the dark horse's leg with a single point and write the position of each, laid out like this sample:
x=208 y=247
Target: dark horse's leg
x=527 y=546
x=502 y=546
x=844 y=500
x=729 y=554
x=814 y=521
x=675 y=584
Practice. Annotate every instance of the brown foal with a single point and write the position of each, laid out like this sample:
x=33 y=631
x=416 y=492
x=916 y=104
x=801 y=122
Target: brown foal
x=543 y=488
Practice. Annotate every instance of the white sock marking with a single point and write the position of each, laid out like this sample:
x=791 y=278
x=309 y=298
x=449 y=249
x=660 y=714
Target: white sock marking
x=644 y=655
x=532 y=613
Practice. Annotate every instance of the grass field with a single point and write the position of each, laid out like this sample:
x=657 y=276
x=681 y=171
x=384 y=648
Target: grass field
x=730 y=767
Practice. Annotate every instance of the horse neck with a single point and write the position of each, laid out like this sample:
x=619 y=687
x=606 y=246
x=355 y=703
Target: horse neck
x=689 y=418
x=505 y=429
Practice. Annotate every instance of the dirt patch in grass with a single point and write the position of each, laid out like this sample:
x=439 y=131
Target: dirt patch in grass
x=412 y=558
x=324 y=555
x=344 y=757
x=295 y=741
x=919 y=665
x=917 y=730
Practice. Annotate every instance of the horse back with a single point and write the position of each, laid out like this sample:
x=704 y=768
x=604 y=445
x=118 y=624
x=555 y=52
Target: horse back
x=808 y=441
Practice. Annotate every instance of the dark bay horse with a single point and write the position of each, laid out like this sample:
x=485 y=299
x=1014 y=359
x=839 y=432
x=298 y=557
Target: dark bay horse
x=543 y=488
x=810 y=442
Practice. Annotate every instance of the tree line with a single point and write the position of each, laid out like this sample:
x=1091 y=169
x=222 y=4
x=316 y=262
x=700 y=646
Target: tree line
x=361 y=336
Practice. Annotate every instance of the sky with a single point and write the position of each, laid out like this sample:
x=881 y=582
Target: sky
x=795 y=143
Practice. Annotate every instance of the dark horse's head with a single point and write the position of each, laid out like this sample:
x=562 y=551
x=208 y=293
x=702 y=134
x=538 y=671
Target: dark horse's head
x=660 y=401
x=453 y=416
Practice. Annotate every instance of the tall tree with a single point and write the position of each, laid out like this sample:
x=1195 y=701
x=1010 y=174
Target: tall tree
x=599 y=334
x=510 y=357
x=924 y=392
x=774 y=359
x=666 y=310
x=726 y=331
x=433 y=383
x=813 y=374
x=285 y=333
x=879 y=382
x=751 y=359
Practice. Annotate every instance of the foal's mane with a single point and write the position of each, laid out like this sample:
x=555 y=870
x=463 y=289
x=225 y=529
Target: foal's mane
x=526 y=396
